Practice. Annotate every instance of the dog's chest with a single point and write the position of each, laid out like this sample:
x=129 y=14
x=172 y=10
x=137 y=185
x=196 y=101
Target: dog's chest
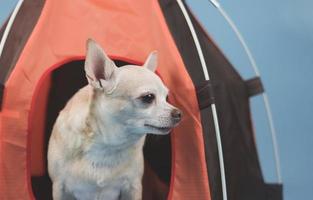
x=99 y=174
x=86 y=189
x=106 y=169
x=87 y=181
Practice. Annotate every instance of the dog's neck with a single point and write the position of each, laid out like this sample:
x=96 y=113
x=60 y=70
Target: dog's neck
x=110 y=155
x=111 y=142
x=93 y=134
x=107 y=131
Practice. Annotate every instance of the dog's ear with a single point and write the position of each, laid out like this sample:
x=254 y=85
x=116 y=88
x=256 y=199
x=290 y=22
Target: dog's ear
x=99 y=67
x=151 y=62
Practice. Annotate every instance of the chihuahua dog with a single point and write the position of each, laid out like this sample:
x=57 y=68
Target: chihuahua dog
x=95 y=150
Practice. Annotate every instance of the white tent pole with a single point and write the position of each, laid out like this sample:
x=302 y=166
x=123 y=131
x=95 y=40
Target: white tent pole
x=9 y=25
x=264 y=95
x=213 y=106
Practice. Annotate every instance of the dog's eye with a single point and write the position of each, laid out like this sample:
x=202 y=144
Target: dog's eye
x=148 y=98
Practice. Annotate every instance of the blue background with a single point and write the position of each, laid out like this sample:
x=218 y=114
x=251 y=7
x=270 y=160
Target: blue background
x=280 y=35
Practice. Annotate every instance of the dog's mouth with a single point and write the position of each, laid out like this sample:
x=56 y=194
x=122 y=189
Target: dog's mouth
x=161 y=129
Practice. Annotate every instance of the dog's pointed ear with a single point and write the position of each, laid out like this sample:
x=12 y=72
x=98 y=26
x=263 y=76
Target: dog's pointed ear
x=152 y=61
x=99 y=67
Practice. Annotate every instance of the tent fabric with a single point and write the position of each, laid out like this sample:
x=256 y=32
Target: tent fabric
x=48 y=36
x=205 y=94
x=21 y=29
x=4 y=25
x=60 y=34
x=231 y=95
x=254 y=86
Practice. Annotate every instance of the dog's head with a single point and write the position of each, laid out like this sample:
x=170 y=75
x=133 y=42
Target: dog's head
x=132 y=98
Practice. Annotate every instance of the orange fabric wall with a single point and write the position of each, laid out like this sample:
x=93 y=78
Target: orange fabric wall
x=127 y=29
x=37 y=128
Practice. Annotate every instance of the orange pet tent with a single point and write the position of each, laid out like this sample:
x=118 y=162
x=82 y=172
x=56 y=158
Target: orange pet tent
x=41 y=67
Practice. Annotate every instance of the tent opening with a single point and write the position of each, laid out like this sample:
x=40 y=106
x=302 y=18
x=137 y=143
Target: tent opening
x=51 y=96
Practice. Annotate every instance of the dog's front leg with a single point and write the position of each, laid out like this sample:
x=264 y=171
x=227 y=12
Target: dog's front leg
x=59 y=193
x=132 y=192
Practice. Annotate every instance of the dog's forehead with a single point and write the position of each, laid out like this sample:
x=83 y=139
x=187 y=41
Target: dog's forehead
x=132 y=76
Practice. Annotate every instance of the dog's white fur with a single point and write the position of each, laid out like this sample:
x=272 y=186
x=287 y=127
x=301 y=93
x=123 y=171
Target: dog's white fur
x=95 y=150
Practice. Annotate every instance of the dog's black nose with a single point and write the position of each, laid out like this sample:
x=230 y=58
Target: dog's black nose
x=176 y=115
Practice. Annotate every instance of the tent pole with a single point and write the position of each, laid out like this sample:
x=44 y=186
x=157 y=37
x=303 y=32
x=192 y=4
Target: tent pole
x=213 y=106
x=264 y=95
x=9 y=25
